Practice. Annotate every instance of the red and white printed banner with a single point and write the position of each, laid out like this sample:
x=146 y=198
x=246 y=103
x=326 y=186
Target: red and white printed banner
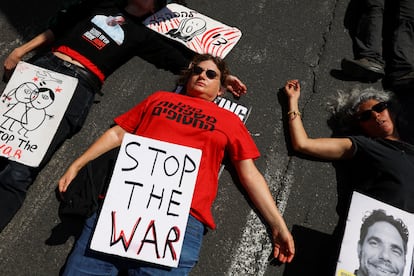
x=196 y=31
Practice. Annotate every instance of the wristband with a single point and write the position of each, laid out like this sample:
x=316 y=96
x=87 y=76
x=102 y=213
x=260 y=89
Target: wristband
x=294 y=112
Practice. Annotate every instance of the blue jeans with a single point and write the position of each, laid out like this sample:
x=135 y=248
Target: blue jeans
x=16 y=178
x=83 y=261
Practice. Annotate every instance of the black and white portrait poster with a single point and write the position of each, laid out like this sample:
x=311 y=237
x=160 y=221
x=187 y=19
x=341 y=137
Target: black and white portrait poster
x=31 y=108
x=378 y=240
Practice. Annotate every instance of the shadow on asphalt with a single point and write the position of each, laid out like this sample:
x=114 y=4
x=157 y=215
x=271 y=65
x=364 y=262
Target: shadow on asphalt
x=315 y=253
x=29 y=17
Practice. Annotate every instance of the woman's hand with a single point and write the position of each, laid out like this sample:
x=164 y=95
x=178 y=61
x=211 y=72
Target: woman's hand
x=235 y=86
x=292 y=89
x=67 y=178
x=11 y=62
x=283 y=245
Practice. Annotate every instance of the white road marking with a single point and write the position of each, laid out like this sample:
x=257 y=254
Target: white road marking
x=251 y=257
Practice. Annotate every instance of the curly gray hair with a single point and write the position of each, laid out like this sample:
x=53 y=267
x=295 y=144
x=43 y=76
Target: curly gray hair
x=345 y=106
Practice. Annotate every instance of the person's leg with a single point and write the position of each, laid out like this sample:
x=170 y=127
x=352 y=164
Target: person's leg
x=15 y=179
x=368 y=36
x=368 y=63
x=82 y=261
x=401 y=62
x=189 y=254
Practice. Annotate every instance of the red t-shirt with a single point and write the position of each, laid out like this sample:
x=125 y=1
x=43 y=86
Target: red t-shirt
x=195 y=123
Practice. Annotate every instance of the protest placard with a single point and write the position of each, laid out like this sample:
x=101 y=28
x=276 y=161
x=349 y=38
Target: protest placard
x=147 y=204
x=196 y=31
x=237 y=108
x=378 y=239
x=31 y=108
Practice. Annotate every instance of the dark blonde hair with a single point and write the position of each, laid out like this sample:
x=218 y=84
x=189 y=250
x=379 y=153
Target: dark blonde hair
x=221 y=65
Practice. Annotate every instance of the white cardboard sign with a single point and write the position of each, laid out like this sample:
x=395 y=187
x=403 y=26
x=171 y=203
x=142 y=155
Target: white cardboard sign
x=31 y=108
x=146 y=208
x=196 y=31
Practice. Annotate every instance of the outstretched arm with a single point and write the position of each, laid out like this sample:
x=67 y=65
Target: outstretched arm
x=256 y=186
x=325 y=148
x=110 y=139
x=235 y=86
x=18 y=53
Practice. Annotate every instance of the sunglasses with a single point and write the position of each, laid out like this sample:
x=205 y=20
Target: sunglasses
x=197 y=70
x=366 y=114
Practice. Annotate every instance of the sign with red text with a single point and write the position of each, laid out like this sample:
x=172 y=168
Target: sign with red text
x=196 y=31
x=378 y=239
x=31 y=108
x=146 y=208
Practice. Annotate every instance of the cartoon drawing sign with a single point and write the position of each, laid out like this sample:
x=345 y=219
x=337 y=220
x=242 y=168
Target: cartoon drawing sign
x=145 y=212
x=196 y=31
x=378 y=239
x=31 y=108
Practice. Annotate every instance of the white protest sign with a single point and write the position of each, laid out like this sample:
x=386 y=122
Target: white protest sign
x=386 y=249
x=196 y=31
x=31 y=108
x=239 y=109
x=145 y=212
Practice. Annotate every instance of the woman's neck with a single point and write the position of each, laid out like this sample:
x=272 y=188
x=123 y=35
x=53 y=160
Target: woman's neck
x=395 y=136
x=134 y=10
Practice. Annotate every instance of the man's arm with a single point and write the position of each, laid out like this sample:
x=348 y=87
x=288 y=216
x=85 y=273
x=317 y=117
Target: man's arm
x=258 y=190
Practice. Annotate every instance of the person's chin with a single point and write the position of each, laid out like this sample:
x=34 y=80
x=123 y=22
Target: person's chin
x=381 y=270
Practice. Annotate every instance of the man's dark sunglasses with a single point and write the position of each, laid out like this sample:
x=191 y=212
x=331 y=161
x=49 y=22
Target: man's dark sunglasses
x=197 y=70
x=366 y=114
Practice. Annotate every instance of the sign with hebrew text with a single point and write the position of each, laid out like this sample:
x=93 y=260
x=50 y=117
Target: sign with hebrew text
x=146 y=208
x=196 y=31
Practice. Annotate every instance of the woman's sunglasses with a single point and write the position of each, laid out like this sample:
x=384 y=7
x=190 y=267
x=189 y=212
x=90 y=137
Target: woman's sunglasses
x=197 y=70
x=366 y=114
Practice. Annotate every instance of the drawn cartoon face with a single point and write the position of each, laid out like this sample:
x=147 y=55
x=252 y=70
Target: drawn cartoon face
x=43 y=98
x=24 y=92
x=192 y=27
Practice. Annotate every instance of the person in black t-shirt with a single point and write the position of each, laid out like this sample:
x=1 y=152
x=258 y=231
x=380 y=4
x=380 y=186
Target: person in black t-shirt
x=386 y=161
x=381 y=164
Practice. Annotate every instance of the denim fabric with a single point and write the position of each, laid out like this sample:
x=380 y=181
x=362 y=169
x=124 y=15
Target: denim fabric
x=16 y=178
x=385 y=31
x=83 y=261
x=14 y=181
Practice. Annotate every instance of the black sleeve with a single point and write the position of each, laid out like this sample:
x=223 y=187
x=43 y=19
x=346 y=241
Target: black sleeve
x=166 y=54
x=72 y=12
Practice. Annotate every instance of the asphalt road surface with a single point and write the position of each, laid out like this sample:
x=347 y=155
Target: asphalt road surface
x=282 y=39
